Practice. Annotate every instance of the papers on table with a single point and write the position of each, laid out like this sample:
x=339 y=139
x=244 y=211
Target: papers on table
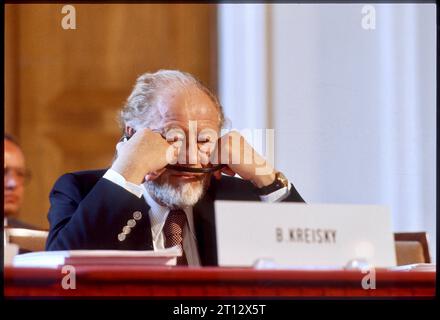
x=21 y=232
x=27 y=239
x=416 y=267
x=10 y=251
x=269 y=264
x=53 y=259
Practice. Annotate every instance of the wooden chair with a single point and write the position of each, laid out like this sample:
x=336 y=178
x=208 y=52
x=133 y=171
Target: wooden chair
x=411 y=247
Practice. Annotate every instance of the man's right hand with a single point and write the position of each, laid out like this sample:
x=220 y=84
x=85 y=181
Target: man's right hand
x=142 y=155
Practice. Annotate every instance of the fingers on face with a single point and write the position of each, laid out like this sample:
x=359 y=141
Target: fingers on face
x=204 y=158
x=226 y=170
x=173 y=153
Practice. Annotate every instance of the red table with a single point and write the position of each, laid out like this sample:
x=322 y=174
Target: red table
x=214 y=282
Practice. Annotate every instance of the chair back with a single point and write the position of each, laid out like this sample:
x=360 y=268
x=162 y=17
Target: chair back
x=411 y=247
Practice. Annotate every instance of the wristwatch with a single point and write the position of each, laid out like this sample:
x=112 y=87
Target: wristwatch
x=279 y=183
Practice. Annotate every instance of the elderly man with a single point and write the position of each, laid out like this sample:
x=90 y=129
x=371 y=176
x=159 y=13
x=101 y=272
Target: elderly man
x=143 y=203
x=16 y=176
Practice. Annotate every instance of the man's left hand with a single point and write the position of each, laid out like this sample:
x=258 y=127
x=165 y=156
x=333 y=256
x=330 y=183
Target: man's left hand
x=233 y=150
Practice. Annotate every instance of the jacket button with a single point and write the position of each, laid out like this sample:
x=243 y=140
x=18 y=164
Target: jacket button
x=121 y=237
x=137 y=215
x=131 y=223
x=126 y=230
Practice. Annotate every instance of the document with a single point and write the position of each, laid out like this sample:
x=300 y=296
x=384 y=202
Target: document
x=431 y=267
x=53 y=259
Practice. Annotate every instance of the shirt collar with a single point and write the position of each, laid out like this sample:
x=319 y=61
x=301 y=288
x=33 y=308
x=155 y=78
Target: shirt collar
x=158 y=215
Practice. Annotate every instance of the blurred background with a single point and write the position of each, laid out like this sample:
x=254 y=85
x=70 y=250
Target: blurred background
x=353 y=108
x=63 y=88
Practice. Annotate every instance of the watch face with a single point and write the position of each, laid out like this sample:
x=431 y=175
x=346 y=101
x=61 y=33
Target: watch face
x=279 y=183
x=282 y=178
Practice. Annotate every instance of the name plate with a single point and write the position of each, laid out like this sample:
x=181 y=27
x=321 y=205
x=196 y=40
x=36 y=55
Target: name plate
x=303 y=235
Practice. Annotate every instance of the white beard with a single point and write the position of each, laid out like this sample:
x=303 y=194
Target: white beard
x=173 y=197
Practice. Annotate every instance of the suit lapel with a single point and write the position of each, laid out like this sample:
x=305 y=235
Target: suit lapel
x=141 y=236
x=204 y=221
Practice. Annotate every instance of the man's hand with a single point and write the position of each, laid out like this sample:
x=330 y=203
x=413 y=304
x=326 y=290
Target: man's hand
x=144 y=156
x=232 y=149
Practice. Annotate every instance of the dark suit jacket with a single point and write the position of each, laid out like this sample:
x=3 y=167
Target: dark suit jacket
x=88 y=212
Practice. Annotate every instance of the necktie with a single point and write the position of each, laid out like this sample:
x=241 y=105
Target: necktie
x=173 y=231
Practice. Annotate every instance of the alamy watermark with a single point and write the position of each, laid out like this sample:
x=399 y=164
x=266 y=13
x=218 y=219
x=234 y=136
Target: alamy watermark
x=69 y=20
x=368 y=20
x=68 y=282
x=369 y=280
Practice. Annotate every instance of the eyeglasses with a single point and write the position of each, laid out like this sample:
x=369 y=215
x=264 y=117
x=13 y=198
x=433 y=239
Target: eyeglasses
x=22 y=176
x=196 y=170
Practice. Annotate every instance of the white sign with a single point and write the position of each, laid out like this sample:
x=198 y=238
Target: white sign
x=293 y=234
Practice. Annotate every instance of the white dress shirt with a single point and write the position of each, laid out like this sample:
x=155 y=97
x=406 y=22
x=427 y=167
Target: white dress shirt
x=158 y=215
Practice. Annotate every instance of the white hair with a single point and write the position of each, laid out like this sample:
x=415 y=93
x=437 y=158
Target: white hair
x=140 y=109
x=181 y=196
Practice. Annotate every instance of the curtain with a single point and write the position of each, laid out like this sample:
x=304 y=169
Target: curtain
x=353 y=109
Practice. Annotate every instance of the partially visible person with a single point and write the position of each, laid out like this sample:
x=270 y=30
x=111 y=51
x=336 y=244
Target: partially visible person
x=16 y=175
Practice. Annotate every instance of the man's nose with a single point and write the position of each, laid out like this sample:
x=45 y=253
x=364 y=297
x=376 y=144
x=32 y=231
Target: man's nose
x=203 y=154
x=193 y=157
x=189 y=155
